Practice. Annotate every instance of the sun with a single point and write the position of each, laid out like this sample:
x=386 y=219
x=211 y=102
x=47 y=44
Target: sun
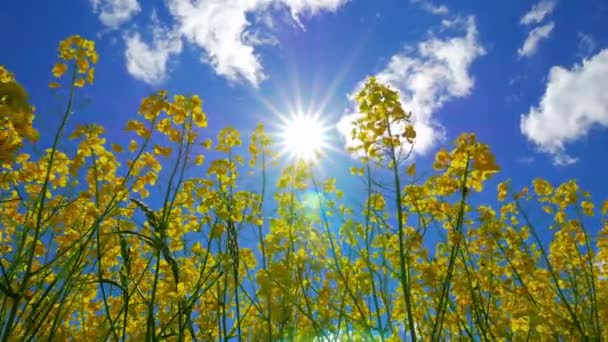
x=304 y=136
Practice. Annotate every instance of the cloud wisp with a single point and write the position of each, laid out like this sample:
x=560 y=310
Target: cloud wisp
x=538 y=12
x=149 y=62
x=535 y=36
x=113 y=13
x=536 y=15
x=433 y=9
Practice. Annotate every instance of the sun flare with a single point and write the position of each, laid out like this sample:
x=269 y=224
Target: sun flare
x=304 y=136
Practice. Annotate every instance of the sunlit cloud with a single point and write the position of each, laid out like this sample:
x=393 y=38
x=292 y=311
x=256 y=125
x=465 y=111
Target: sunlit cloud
x=538 y=12
x=437 y=71
x=431 y=8
x=148 y=62
x=534 y=38
x=113 y=13
x=574 y=102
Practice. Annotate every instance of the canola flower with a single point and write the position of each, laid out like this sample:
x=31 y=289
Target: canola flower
x=88 y=253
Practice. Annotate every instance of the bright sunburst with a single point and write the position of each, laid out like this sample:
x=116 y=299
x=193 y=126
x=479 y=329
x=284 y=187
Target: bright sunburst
x=303 y=136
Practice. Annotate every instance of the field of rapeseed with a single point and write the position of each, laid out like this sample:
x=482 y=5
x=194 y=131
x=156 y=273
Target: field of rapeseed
x=88 y=253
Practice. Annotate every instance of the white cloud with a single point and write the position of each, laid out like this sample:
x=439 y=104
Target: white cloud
x=437 y=72
x=526 y=160
x=148 y=62
x=113 y=13
x=586 y=44
x=433 y=9
x=538 y=12
x=564 y=159
x=221 y=29
x=575 y=100
x=311 y=7
x=535 y=36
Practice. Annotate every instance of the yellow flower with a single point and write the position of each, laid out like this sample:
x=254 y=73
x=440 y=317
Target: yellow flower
x=136 y=126
x=117 y=148
x=217 y=230
x=206 y=144
x=484 y=160
x=182 y=292
x=199 y=118
x=357 y=171
x=16 y=116
x=53 y=85
x=90 y=75
x=410 y=133
x=411 y=170
x=522 y=193
x=520 y=324
x=542 y=187
x=329 y=185
x=14 y=103
x=381 y=108
x=94 y=57
x=75 y=39
x=587 y=208
x=502 y=191
x=132 y=145
x=59 y=69
x=79 y=83
x=82 y=51
x=228 y=138
x=82 y=65
x=9 y=143
x=197 y=248
x=162 y=151
x=88 y=45
x=560 y=217
x=5 y=75
x=442 y=159
x=22 y=158
x=377 y=202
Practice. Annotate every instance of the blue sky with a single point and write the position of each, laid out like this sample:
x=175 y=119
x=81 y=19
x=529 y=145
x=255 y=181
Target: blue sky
x=528 y=77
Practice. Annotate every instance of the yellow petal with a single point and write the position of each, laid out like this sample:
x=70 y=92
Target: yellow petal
x=59 y=69
x=411 y=170
x=90 y=75
x=117 y=148
x=79 y=83
x=132 y=146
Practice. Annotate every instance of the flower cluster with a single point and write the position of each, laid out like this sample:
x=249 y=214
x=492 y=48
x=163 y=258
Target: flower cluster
x=81 y=52
x=383 y=123
x=16 y=116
